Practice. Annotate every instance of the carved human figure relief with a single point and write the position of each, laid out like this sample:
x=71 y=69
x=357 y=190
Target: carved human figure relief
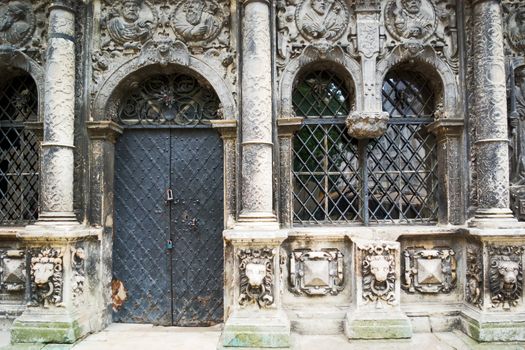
x=410 y=19
x=198 y=20
x=17 y=23
x=322 y=19
x=516 y=28
x=130 y=23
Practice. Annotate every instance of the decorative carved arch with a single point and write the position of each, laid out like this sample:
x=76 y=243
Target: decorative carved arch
x=107 y=99
x=318 y=57
x=19 y=60
x=430 y=63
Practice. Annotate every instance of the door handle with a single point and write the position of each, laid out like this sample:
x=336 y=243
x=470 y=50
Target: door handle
x=169 y=195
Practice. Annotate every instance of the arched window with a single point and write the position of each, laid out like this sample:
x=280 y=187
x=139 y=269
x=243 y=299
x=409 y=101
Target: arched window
x=338 y=179
x=19 y=160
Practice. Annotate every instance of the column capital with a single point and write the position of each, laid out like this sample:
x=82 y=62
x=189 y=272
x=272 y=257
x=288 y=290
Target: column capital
x=286 y=127
x=446 y=128
x=477 y=2
x=226 y=127
x=68 y=5
x=104 y=130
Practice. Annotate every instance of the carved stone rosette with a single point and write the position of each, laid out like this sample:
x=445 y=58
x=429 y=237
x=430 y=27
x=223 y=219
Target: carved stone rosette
x=505 y=275
x=46 y=277
x=474 y=283
x=429 y=270
x=256 y=276
x=378 y=269
x=316 y=272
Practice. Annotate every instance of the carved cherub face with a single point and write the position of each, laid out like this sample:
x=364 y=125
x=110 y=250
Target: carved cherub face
x=255 y=273
x=379 y=267
x=130 y=10
x=194 y=11
x=319 y=6
x=43 y=271
x=508 y=270
x=412 y=6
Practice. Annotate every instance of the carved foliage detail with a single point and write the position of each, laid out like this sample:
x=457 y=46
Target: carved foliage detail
x=12 y=273
x=474 y=284
x=46 y=277
x=429 y=270
x=316 y=272
x=379 y=273
x=505 y=275
x=78 y=257
x=256 y=276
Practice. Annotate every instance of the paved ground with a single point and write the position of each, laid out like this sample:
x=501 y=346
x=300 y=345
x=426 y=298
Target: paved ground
x=147 y=337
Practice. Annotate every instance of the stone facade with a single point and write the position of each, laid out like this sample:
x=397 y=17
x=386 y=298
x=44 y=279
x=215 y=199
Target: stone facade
x=372 y=166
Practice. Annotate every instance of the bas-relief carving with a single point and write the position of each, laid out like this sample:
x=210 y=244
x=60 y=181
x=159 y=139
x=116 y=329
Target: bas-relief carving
x=256 y=276
x=78 y=258
x=429 y=270
x=17 y=23
x=378 y=269
x=474 y=282
x=515 y=31
x=316 y=272
x=12 y=274
x=46 y=277
x=505 y=275
x=198 y=20
x=410 y=19
x=322 y=19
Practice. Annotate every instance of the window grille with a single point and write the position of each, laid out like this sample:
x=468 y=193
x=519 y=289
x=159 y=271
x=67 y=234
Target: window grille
x=19 y=159
x=338 y=179
x=176 y=99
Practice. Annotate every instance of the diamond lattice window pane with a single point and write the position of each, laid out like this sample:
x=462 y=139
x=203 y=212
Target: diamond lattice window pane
x=19 y=161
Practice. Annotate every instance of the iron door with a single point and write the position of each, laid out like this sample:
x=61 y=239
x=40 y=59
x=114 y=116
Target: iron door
x=197 y=224
x=169 y=252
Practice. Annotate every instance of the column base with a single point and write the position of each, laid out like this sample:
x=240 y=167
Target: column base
x=57 y=218
x=377 y=325
x=45 y=328
x=494 y=218
x=487 y=327
x=253 y=329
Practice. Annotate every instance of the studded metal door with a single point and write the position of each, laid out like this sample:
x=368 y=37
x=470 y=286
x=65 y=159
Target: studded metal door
x=168 y=253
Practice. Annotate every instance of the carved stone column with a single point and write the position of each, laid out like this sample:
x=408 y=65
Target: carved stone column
x=257 y=146
x=491 y=111
x=59 y=116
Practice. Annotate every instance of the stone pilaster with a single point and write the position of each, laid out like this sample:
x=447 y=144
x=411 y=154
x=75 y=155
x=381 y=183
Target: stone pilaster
x=448 y=133
x=257 y=145
x=490 y=109
x=59 y=116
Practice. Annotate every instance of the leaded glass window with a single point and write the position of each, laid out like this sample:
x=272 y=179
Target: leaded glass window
x=176 y=99
x=338 y=179
x=19 y=160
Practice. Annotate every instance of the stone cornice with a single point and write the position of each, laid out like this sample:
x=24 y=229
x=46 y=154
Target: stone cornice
x=226 y=127
x=288 y=126
x=104 y=130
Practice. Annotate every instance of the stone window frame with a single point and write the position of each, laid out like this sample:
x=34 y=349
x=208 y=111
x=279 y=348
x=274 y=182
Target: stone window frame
x=448 y=125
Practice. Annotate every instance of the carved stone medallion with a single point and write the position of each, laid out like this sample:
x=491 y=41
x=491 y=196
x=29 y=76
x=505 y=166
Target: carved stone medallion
x=429 y=270
x=516 y=29
x=17 y=23
x=130 y=23
x=379 y=274
x=46 y=277
x=413 y=20
x=316 y=272
x=506 y=275
x=322 y=19
x=256 y=276
x=474 y=285
x=198 y=20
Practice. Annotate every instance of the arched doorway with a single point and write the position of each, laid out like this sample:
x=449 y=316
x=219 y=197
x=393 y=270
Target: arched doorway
x=168 y=249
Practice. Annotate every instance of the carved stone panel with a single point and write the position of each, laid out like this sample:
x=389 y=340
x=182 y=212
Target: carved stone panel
x=17 y=23
x=322 y=19
x=316 y=272
x=378 y=269
x=474 y=283
x=46 y=277
x=429 y=270
x=256 y=276
x=505 y=275
x=12 y=274
x=198 y=21
x=410 y=19
x=78 y=257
